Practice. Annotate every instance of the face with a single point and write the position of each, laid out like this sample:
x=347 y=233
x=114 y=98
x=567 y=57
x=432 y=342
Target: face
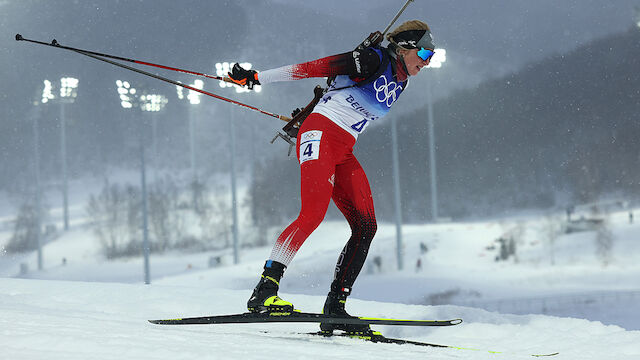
x=413 y=62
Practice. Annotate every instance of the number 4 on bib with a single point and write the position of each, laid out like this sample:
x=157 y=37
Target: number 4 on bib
x=310 y=145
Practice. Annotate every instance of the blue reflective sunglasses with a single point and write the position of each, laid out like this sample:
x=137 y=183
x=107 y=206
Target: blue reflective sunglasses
x=425 y=54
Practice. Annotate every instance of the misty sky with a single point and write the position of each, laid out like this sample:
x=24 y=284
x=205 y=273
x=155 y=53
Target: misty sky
x=484 y=40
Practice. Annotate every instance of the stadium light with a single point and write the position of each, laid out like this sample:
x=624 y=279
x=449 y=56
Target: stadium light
x=127 y=94
x=180 y=92
x=68 y=88
x=194 y=96
x=47 y=92
x=152 y=102
x=438 y=58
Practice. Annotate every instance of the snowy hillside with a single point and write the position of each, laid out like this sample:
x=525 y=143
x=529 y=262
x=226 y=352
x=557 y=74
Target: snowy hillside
x=89 y=307
x=597 y=306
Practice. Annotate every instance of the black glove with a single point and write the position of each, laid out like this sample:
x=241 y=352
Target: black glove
x=243 y=77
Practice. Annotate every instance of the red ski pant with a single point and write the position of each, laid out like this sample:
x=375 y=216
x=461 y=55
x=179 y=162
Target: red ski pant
x=329 y=170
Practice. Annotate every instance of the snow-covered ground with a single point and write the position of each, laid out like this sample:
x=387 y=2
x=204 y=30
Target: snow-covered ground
x=79 y=320
x=93 y=308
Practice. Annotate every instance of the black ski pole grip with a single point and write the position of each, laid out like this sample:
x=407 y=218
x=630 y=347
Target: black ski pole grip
x=19 y=37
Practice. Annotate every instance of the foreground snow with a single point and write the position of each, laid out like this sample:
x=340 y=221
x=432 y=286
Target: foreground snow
x=77 y=320
x=102 y=312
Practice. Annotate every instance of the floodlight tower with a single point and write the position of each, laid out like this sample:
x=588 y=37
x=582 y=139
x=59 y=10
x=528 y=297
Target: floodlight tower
x=439 y=57
x=194 y=99
x=36 y=168
x=68 y=94
x=47 y=95
x=395 y=165
x=153 y=103
x=128 y=100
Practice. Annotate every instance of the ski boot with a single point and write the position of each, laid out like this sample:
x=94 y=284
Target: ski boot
x=334 y=305
x=265 y=297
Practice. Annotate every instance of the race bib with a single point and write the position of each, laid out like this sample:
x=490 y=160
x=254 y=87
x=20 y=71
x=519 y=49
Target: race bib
x=310 y=145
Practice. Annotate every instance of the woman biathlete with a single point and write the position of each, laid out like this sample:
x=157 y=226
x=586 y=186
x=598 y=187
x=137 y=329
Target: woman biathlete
x=367 y=83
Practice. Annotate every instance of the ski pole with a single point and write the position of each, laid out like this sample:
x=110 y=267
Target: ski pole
x=376 y=37
x=54 y=43
x=221 y=78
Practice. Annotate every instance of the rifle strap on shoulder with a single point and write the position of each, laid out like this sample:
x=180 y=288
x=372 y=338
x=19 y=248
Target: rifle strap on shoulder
x=293 y=126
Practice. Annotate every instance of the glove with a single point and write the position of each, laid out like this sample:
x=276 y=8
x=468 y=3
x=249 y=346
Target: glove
x=243 y=77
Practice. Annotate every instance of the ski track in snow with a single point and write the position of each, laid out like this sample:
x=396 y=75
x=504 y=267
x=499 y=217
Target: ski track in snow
x=77 y=320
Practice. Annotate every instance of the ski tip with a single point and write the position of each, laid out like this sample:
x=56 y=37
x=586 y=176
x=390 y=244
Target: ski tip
x=545 y=355
x=455 y=321
x=166 y=321
x=19 y=37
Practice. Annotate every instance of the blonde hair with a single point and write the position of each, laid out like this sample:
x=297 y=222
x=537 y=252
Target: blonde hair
x=406 y=26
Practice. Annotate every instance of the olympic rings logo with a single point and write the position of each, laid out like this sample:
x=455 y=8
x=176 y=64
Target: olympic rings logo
x=386 y=91
x=309 y=135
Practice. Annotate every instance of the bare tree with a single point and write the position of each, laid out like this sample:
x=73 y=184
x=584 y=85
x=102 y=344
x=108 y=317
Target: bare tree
x=25 y=232
x=108 y=215
x=604 y=242
x=551 y=230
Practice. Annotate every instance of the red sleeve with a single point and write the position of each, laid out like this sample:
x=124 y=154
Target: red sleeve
x=353 y=63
